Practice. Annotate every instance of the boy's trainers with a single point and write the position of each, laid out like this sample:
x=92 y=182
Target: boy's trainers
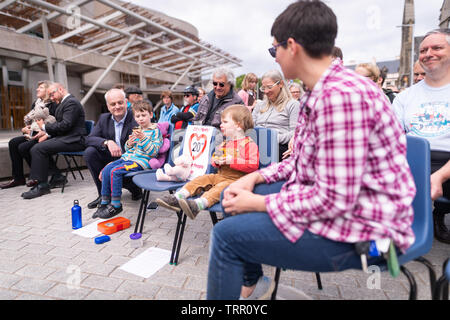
x=169 y=202
x=190 y=208
x=263 y=290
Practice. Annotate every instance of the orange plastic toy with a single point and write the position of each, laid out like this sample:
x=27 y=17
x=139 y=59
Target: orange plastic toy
x=113 y=225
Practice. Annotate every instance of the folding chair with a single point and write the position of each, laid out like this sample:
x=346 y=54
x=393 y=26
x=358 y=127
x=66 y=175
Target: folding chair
x=418 y=154
x=70 y=156
x=441 y=289
x=148 y=182
x=267 y=141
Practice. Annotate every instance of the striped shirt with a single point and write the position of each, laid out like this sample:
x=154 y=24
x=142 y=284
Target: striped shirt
x=145 y=149
x=347 y=179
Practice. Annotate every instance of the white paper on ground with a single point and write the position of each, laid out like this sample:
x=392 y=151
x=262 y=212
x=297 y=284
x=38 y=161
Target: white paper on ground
x=89 y=231
x=148 y=262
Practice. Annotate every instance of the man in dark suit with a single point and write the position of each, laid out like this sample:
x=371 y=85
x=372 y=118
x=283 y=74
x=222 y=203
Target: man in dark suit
x=106 y=142
x=65 y=135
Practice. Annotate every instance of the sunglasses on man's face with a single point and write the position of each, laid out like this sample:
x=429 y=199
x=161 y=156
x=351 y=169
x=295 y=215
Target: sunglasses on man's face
x=220 y=84
x=187 y=94
x=273 y=50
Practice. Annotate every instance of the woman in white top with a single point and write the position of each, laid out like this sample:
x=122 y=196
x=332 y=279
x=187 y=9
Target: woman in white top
x=278 y=110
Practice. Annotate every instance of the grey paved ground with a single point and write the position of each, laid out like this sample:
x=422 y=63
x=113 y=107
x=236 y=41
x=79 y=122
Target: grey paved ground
x=40 y=258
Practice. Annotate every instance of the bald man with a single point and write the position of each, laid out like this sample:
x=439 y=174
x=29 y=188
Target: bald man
x=65 y=135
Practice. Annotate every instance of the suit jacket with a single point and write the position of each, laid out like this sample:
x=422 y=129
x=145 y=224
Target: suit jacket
x=104 y=130
x=70 y=122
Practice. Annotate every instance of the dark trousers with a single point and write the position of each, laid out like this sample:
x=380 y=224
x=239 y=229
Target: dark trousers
x=42 y=155
x=96 y=160
x=282 y=149
x=19 y=149
x=438 y=160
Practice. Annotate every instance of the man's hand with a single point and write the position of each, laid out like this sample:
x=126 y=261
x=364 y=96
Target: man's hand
x=39 y=135
x=437 y=179
x=247 y=183
x=436 y=185
x=243 y=201
x=114 y=149
x=288 y=152
x=42 y=139
x=26 y=130
x=40 y=123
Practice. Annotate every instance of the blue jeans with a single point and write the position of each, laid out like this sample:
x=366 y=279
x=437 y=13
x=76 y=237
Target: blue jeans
x=240 y=244
x=112 y=177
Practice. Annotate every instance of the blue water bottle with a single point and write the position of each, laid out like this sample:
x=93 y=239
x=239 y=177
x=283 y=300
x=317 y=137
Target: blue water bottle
x=76 y=216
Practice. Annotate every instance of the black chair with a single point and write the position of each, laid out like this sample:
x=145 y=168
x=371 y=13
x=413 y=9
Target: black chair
x=70 y=156
x=418 y=154
x=441 y=289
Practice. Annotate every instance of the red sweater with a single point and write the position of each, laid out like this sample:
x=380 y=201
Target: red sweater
x=245 y=155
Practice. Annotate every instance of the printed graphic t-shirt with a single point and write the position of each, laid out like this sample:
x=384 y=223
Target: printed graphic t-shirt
x=424 y=112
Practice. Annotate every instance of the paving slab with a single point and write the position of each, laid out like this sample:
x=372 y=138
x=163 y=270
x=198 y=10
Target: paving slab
x=40 y=257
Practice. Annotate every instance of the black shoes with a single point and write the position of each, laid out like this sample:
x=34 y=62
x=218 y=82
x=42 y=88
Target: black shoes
x=107 y=211
x=13 y=183
x=37 y=191
x=94 y=204
x=441 y=231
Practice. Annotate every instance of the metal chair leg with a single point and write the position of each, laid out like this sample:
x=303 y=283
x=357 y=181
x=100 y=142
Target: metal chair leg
x=213 y=217
x=412 y=283
x=183 y=225
x=277 y=280
x=431 y=272
x=441 y=288
x=142 y=212
x=69 y=167
x=175 y=238
x=319 y=281
x=77 y=167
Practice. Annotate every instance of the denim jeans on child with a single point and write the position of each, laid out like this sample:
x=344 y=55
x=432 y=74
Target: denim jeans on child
x=112 y=177
x=241 y=243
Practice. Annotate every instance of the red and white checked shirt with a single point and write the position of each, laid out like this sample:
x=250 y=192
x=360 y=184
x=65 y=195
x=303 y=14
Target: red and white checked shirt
x=347 y=179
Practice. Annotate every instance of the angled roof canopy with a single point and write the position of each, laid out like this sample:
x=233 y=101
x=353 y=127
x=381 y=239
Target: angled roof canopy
x=105 y=27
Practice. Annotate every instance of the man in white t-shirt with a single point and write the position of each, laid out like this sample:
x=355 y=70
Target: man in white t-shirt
x=424 y=111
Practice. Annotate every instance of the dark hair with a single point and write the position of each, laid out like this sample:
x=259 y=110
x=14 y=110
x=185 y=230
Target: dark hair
x=311 y=23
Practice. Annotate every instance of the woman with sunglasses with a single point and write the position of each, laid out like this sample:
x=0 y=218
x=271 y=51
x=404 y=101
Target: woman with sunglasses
x=278 y=110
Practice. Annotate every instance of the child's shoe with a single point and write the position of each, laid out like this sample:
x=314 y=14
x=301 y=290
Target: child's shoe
x=169 y=202
x=190 y=207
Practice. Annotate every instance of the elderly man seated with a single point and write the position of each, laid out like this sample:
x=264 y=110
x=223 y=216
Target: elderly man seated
x=223 y=95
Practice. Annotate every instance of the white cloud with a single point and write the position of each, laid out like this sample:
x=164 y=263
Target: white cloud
x=367 y=29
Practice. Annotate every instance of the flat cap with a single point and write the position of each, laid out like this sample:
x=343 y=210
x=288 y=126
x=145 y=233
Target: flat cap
x=131 y=90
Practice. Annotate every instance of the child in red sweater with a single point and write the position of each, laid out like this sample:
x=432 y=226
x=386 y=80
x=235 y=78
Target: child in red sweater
x=234 y=158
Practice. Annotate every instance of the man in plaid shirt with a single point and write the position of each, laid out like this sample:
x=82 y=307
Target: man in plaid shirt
x=346 y=181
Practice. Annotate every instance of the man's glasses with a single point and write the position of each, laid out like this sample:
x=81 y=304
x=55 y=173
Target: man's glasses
x=273 y=50
x=51 y=94
x=263 y=89
x=220 y=84
x=187 y=94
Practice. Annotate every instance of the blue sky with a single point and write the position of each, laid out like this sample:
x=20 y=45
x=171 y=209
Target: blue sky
x=367 y=29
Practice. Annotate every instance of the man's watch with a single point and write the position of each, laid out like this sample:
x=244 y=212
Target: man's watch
x=105 y=143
